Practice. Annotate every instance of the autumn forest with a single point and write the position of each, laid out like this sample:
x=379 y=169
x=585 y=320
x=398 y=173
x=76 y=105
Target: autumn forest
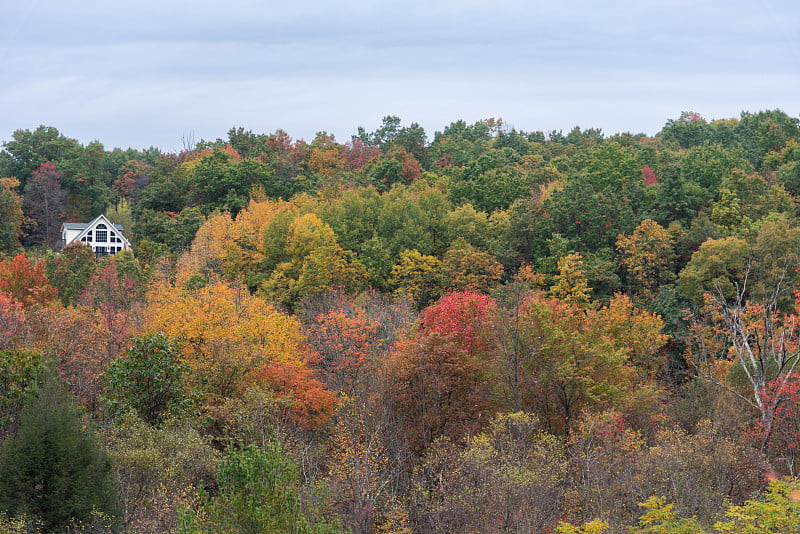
x=480 y=331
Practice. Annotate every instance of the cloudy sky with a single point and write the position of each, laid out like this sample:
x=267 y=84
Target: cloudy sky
x=163 y=72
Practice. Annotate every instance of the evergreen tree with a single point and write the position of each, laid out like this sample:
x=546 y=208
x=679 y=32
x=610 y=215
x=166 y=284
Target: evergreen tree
x=53 y=469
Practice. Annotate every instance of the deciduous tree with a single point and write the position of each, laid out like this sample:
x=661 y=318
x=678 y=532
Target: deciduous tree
x=509 y=478
x=70 y=271
x=156 y=469
x=647 y=257
x=348 y=348
x=258 y=493
x=10 y=215
x=26 y=282
x=234 y=341
x=44 y=202
x=148 y=379
x=440 y=381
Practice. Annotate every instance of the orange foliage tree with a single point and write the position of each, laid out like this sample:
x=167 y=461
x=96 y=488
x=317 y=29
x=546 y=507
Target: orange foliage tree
x=232 y=249
x=69 y=337
x=234 y=341
x=348 y=347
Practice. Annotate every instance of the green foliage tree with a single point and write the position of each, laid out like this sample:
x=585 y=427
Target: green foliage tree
x=71 y=270
x=168 y=189
x=121 y=214
x=766 y=131
x=493 y=180
x=88 y=183
x=689 y=130
x=20 y=370
x=707 y=165
x=176 y=231
x=590 y=216
x=10 y=215
x=258 y=492
x=53 y=468
x=27 y=150
x=677 y=199
x=719 y=266
x=396 y=166
x=148 y=379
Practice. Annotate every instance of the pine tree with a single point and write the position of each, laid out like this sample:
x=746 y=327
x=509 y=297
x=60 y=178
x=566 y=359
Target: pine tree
x=53 y=469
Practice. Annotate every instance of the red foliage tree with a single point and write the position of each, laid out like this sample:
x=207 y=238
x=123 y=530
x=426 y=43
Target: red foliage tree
x=463 y=316
x=435 y=388
x=357 y=153
x=134 y=178
x=25 y=282
x=649 y=176
x=781 y=440
x=442 y=381
x=116 y=295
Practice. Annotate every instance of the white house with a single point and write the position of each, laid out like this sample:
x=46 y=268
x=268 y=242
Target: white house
x=104 y=238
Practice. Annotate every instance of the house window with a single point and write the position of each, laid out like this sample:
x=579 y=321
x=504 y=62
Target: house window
x=101 y=234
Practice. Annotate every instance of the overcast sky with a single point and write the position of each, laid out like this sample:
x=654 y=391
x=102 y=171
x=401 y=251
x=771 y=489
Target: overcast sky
x=144 y=72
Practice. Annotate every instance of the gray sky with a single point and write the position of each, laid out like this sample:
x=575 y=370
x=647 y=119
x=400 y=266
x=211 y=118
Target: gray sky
x=156 y=73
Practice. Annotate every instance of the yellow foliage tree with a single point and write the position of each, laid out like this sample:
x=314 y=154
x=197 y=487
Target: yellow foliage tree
x=571 y=284
x=647 y=256
x=233 y=341
x=316 y=263
x=416 y=276
x=208 y=251
x=233 y=249
x=635 y=330
x=466 y=267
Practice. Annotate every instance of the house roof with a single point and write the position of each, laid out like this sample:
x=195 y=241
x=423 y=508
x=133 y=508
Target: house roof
x=83 y=226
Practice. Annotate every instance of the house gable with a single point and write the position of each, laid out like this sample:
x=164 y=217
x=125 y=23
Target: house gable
x=100 y=234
